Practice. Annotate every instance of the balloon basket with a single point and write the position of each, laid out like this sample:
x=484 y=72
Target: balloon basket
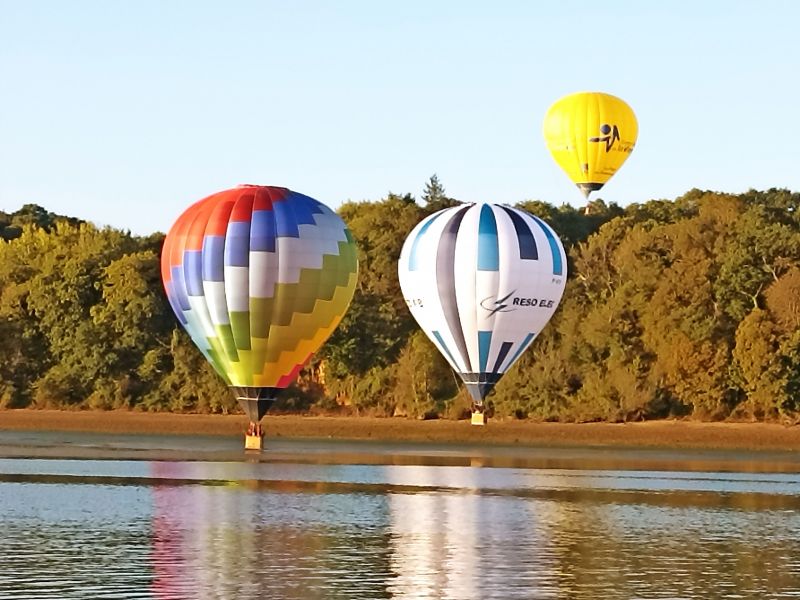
x=478 y=418
x=253 y=442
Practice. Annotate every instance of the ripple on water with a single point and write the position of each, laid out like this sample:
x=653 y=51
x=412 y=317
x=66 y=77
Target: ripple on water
x=378 y=531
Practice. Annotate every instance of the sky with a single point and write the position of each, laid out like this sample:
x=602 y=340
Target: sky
x=124 y=113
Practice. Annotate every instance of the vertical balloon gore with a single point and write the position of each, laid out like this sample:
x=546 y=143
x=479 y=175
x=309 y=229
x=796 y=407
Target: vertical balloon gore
x=259 y=277
x=590 y=135
x=482 y=280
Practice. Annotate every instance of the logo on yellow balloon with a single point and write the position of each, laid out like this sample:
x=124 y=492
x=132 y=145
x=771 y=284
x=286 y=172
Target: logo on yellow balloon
x=609 y=135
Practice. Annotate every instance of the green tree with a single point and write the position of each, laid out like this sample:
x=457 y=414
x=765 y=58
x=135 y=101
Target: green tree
x=424 y=381
x=759 y=366
x=572 y=225
x=134 y=320
x=684 y=307
x=188 y=382
x=378 y=323
x=435 y=197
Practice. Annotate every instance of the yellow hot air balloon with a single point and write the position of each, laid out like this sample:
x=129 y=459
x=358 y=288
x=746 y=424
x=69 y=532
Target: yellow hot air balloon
x=590 y=135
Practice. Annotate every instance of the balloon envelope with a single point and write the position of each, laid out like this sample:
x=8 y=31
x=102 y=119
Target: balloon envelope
x=590 y=135
x=259 y=277
x=482 y=280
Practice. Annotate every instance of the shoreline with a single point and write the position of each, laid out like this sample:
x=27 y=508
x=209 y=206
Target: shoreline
x=647 y=434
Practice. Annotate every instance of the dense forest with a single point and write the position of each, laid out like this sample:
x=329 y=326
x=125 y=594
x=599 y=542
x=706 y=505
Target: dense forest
x=674 y=308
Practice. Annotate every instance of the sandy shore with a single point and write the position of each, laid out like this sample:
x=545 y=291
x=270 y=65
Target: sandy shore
x=653 y=434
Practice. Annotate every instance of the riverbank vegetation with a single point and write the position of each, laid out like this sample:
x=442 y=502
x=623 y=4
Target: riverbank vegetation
x=674 y=308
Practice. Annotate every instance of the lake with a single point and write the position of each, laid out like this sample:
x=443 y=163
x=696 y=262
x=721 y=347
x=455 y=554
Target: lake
x=174 y=517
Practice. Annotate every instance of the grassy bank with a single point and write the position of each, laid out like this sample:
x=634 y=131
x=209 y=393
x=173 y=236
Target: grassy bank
x=665 y=434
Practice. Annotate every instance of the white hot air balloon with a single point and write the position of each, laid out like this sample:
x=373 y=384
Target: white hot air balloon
x=482 y=280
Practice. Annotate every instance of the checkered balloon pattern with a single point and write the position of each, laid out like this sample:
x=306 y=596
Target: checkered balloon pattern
x=259 y=277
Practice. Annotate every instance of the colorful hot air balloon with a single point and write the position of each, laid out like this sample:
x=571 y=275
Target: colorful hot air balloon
x=482 y=280
x=259 y=277
x=590 y=135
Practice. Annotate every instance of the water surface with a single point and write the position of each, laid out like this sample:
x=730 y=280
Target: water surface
x=325 y=519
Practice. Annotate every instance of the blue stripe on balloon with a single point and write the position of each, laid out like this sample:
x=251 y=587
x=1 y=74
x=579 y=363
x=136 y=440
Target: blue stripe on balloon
x=488 y=246
x=304 y=208
x=179 y=288
x=262 y=231
x=413 y=261
x=445 y=281
x=193 y=272
x=439 y=339
x=285 y=223
x=237 y=244
x=554 y=249
x=527 y=244
x=173 y=302
x=484 y=343
x=315 y=206
x=501 y=356
x=213 y=258
x=525 y=343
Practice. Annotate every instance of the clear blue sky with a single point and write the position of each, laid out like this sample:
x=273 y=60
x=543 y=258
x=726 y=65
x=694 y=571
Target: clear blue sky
x=123 y=113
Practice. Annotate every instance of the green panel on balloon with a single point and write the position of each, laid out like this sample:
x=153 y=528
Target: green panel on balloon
x=217 y=363
x=240 y=327
x=260 y=316
x=225 y=337
x=301 y=327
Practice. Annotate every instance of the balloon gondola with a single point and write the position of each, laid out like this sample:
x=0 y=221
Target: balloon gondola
x=259 y=277
x=482 y=280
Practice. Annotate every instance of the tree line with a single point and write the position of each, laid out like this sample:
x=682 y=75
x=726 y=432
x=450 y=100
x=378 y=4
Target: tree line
x=674 y=308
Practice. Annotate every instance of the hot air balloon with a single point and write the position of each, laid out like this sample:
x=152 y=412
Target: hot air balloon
x=590 y=135
x=482 y=280
x=259 y=277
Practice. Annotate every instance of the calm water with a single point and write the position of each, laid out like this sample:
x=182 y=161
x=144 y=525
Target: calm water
x=329 y=519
